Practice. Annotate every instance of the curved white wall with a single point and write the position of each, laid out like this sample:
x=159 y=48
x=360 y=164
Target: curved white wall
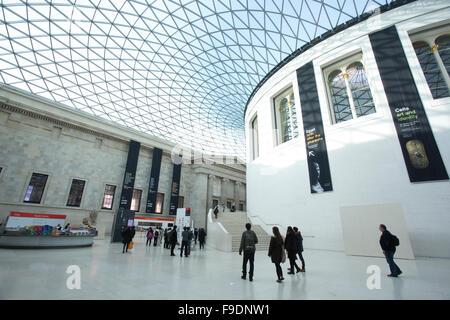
x=366 y=162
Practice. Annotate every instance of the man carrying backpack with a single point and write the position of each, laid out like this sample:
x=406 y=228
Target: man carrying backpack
x=388 y=242
x=248 y=246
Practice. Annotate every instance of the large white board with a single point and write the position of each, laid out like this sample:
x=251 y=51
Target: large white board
x=181 y=221
x=361 y=234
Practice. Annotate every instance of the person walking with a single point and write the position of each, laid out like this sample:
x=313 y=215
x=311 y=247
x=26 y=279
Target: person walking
x=155 y=237
x=291 y=248
x=173 y=240
x=216 y=211
x=184 y=242
x=127 y=237
x=201 y=238
x=166 y=238
x=276 y=252
x=248 y=246
x=195 y=236
x=300 y=247
x=190 y=238
x=388 y=242
x=149 y=236
x=223 y=206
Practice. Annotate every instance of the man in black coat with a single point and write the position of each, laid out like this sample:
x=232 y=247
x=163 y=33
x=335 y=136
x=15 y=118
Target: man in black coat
x=173 y=240
x=127 y=236
x=201 y=238
x=291 y=245
x=300 y=247
x=389 y=251
x=195 y=236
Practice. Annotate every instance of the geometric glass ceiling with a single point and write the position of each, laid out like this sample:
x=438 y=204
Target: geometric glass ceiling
x=178 y=70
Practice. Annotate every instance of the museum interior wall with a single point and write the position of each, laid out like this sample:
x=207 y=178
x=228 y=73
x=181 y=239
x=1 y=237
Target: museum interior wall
x=367 y=165
x=74 y=151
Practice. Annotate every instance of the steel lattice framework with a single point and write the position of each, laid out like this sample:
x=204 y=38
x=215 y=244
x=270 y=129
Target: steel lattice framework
x=178 y=70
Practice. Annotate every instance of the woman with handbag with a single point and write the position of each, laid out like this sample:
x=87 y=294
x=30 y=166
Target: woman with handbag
x=276 y=252
x=126 y=239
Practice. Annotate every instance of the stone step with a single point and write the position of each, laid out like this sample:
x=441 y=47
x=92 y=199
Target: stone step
x=235 y=222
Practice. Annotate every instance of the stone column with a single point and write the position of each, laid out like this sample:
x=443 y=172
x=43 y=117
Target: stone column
x=223 y=183
x=209 y=192
x=199 y=199
x=237 y=186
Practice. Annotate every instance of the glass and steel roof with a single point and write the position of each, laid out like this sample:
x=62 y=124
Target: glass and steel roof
x=178 y=70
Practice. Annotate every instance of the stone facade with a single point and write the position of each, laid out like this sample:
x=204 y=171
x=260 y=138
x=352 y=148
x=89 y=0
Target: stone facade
x=41 y=137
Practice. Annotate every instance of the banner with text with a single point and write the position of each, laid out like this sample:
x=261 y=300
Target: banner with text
x=154 y=180
x=127 y=188
x=420 y=151
x=316 y=147
x=175 y=188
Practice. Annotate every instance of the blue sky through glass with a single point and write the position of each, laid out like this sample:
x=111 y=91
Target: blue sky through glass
x=178 y=70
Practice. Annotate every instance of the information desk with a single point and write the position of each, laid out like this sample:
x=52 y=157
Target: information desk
x=21 y=241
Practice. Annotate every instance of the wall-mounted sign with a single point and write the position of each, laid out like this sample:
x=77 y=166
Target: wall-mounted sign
x=22 y=219
x=154 y=180
x=316 y=147
x=420 y=151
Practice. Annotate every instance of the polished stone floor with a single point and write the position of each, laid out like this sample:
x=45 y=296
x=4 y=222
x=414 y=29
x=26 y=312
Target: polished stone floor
x=150 y=273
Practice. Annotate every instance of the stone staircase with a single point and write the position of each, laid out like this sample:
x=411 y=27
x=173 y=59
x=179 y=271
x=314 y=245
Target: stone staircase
x=234 y=223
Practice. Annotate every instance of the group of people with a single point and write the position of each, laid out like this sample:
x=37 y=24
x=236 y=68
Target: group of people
x=224 y=205
x=187 y=236
x=157 y=234
x=170 y=237
x=293 y=244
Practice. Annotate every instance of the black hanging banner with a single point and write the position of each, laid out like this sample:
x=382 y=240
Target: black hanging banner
x=175 y=190
x=127 y=189
x=154 y=180
x=420 y=151
x=316 y=147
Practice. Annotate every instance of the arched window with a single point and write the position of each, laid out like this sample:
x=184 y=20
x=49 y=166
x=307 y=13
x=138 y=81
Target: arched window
x=294 y=115
x=286 y=116
x=350 y=94
x=359 y=86
x=431 y=70
x=285 y=119
x=443 y=43
x=341 y=109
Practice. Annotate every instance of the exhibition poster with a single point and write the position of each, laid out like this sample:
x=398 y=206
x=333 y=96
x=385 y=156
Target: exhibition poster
x=316 y=147
x=420 y=152
x=154 y=180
